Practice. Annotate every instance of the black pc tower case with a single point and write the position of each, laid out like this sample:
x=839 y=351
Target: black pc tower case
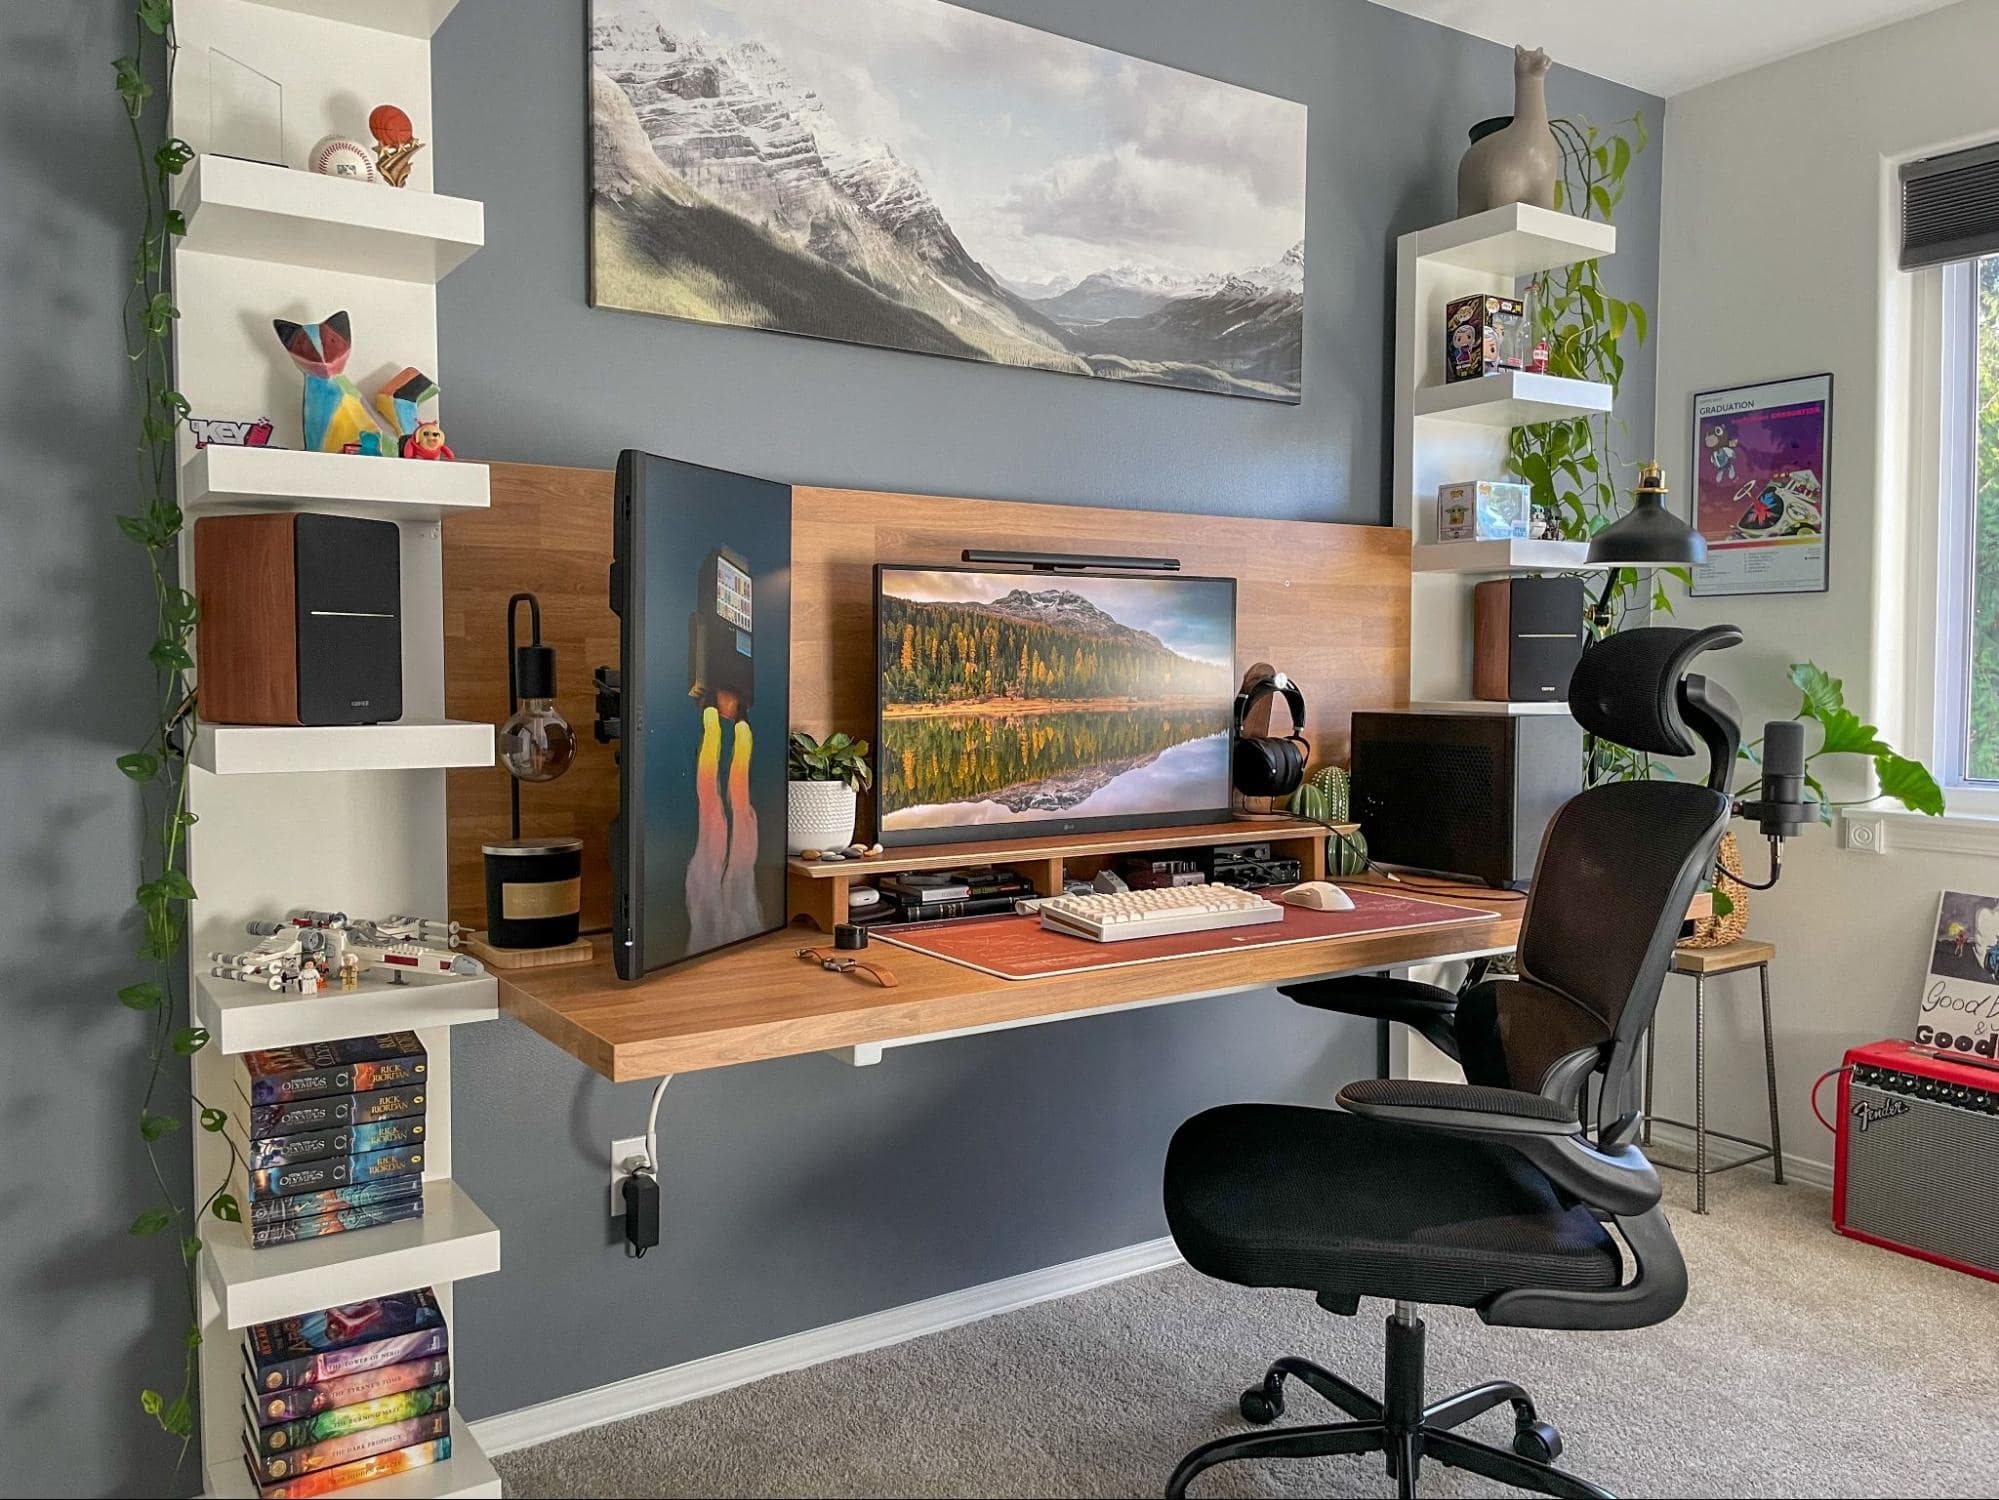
x=1463 y=794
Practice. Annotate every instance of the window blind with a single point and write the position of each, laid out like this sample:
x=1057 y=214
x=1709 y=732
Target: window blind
x=1950 y=207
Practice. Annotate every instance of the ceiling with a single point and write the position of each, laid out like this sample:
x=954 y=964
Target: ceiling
x=1665 y=46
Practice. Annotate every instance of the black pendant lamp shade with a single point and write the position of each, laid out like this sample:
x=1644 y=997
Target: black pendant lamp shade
x=1649 y=535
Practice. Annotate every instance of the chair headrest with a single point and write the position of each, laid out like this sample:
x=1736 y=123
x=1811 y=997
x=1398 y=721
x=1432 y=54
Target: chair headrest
x=1626 y=688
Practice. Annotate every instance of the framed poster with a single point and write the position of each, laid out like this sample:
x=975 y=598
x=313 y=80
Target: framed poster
x=913 y=175
x=1760 y=459
x=1959 y=1009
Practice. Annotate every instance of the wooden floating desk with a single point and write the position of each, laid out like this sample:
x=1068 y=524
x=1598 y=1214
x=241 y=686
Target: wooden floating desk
x=758 y=1000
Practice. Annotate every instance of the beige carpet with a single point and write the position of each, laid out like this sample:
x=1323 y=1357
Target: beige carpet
x=1803 y=1364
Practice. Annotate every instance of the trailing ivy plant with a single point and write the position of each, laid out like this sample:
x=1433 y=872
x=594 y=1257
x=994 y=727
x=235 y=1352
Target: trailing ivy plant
x=157 y=767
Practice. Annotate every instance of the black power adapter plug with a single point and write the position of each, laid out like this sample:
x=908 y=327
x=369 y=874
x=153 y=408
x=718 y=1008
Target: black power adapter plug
x=640 y=1190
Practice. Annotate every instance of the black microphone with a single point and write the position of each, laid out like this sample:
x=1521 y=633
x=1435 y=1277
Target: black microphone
x=1781 y=810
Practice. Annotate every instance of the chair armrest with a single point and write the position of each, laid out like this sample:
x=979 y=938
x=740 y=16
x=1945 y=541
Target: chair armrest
x=1426 y=1008
x=1618 y=1181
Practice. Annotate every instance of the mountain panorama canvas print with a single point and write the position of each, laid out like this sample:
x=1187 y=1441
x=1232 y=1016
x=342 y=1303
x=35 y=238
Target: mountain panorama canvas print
x=917 y=176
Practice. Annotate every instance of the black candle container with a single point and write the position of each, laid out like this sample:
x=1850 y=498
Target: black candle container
x=534 y=892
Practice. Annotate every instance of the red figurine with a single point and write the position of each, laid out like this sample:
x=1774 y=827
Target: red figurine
x=427 y=442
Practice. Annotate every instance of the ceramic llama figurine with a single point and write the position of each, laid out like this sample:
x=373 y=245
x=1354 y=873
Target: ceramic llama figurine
x=1519 y=163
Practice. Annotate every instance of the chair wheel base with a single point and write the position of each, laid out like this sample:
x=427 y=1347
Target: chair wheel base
x=1539 y=1441
x=1261 y=1405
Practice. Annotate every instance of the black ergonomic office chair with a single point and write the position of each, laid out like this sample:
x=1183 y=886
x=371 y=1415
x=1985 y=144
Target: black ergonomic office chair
x=1491 y=1194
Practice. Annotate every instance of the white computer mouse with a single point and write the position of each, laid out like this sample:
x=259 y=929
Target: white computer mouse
x=1319 y=895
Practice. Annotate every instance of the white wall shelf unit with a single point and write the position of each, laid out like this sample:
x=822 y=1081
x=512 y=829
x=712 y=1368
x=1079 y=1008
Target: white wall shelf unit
x=1452 y=432
x=1503 y=557
x=415 y=18
x=223 y=478
x=243 y=1017
x=1516 y=240
x=453 y=1241
x=468 y=1472
x=1514 y=398
x=250 y=210
x=347 y=818
x=409 y=745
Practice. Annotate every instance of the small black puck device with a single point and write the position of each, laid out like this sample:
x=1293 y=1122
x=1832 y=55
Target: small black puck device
x=850 y=935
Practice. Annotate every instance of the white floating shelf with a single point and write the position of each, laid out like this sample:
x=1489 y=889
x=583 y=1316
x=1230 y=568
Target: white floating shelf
x=221 y=478
x=1517 y=240
x=1512 y=398
x=244 y=1017
x=255 y=211
x=1501 y=557
x=417 y=18
x=453 y=1240
x=467 y=1472
x=1480 y=706
x=411 y=745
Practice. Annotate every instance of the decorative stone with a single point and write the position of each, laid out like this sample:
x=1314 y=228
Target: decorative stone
x=810 y=854
x=832 y=857
x=875 y=851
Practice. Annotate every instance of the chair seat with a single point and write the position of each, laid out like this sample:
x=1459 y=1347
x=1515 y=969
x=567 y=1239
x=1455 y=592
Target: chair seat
x=1319 y=1200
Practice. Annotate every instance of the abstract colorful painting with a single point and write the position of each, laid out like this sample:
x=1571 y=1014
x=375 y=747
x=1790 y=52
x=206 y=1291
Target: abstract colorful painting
x=918 y=176
x=1760 y=457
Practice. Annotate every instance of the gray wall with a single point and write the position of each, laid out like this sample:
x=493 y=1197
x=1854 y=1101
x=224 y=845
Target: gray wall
x=801 y=1192
x=797 y=1192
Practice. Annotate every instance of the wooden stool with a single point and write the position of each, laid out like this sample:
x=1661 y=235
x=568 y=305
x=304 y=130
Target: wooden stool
x=1700 y=963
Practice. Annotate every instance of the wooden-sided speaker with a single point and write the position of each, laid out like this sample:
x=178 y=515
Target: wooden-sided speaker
x=301 y=619
x=1527 y=636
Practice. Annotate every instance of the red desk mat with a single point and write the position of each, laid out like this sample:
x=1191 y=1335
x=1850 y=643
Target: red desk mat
x=1018 y=947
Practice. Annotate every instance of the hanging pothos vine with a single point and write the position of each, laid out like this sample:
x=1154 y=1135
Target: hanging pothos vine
x=158 y=767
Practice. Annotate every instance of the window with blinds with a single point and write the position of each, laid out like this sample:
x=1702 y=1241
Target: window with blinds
x=1950 y=207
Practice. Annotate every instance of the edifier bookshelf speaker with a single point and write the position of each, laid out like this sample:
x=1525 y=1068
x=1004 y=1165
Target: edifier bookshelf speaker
x=301 y=619
x=1527 y=636
x=1463 y=794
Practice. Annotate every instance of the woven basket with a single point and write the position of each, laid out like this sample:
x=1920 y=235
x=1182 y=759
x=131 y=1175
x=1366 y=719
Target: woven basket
x=1719 y=932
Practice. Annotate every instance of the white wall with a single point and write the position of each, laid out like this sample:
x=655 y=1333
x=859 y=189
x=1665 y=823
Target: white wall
x=1776 y=259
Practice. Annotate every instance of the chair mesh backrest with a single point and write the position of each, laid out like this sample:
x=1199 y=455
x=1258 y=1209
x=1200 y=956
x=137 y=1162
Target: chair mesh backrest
x=1617 y=869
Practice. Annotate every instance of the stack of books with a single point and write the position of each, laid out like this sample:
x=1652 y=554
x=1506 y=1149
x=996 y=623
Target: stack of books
x=335 y=1133
x=346 y=1395
x=930 y=896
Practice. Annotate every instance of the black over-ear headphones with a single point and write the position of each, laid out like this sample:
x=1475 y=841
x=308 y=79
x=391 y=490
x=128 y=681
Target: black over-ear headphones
x=1269 y=766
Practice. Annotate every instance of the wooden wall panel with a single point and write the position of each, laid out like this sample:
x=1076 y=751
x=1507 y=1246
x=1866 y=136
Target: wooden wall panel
x=1328 y=604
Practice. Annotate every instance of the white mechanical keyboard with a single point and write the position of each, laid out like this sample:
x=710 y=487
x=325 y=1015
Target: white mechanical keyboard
x=1118 y=916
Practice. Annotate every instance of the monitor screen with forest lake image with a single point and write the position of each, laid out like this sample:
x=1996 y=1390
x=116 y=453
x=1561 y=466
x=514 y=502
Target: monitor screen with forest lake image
x=1025 y=704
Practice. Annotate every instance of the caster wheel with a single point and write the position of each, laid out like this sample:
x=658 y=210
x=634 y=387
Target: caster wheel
x=1261 y=1405
x=1538 y=1441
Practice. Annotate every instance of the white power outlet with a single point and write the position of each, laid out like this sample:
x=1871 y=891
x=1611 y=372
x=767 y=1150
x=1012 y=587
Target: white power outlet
x=1865 y=835
x=625 y=1154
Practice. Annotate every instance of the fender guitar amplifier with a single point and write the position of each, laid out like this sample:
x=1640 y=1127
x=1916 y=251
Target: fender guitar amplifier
x=1916 y=1160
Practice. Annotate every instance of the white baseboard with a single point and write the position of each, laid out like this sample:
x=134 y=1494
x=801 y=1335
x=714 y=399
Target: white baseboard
x=1797 y=1168
x=720 y=1372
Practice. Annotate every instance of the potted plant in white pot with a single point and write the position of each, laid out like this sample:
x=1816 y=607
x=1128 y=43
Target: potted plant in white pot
x=826 y=780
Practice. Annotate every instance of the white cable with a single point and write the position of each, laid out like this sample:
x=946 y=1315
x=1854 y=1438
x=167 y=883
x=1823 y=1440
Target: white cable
x=652 y=1125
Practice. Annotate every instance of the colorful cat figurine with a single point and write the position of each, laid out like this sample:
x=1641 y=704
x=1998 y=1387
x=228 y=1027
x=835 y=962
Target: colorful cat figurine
x=335 y=415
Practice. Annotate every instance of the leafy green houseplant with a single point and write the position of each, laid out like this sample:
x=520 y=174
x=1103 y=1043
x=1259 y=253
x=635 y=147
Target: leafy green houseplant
x=826 y=779
x=157 y=767
x=1571 y=465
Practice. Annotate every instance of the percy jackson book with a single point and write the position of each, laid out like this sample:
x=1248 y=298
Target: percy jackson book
x=294 y=1116
x=318 y=1346
x=360 y=1471
x=368 y=1443
x=313 y=1226
x=343 y=1140
x=335 y=1200
x=313 y=1070
x=379 y=1411
x=334 y=1172
x=300 y=1401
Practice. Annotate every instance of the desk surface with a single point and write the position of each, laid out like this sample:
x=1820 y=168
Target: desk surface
x=758 y=1000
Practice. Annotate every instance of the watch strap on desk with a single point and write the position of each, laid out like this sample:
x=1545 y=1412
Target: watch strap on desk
x=837 y=962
